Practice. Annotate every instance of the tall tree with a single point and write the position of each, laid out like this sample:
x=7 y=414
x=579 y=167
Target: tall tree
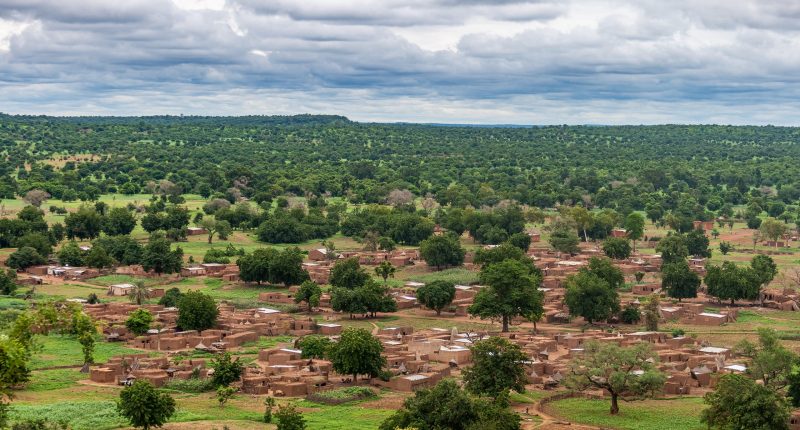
x=772 y=229
x=497 y=367
x=672 y=249
x=739 y=403
x=144 y=406
x=678 y=280
x=197 y=311
x=634 y=227
x=442 y=251
x=119 y=221
x=731 y=282
x=590 y=297
x=765 y=267
x=160 y=258
x=437 y=295
x=609 y=367
x=511 y=291
x=385 y=270
x=357 y=352
x=310 y=293
x=617 y=248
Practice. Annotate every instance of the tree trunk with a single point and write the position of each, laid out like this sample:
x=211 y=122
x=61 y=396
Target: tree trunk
x=505 y=324
x=438 y=312
x=585 y=236
x=535 y=330
x=732 y=301
x=614 y=404
x=355 y=378
x=634 y=246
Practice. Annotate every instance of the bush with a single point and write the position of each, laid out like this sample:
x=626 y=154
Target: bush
x=191 y=385
x=678 y=332
x=630 y=315
x=342 y=395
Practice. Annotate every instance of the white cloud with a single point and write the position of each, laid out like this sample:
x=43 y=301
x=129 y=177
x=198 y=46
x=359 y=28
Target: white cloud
x=587 y=61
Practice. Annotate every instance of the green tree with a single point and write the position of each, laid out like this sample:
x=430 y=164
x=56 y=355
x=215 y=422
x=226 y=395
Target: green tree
x=617 y=248
x=630 y=315
x=651 y=312
x=286 y=267
x=224 y=394
x=497 y=367
x=139 y=321
x=500 y=253
x=590 y=297
x=357 y=352
x=269 y=404
x=565 y=240
x=442 y=251
x=678 y=280
x=520 y=240
x=385 y=270
x=609 y=367
x=731 y=282
x=24 y=257
x=170 y=298
x=14 y=366
x=160 y=258
x=310 y=293
x=437 y=295
x=8 y=282
x=38 y=241
x=772 y=229
x=289 y=418
x=314 y=346
x=226 y=369
x=672 y=249
x=119 y=222
x=697 y=243
x=197 y=311
x=725 y=247
x=738 y=403
x=770 y=361
x=348 y=274
x=583 y=219
x=70 y=254
x=139 y=294
x=765 y=267
x=605 y=270
x=144 y=406
x=447 y=406
x=255 y=267
x=511 y=291
x=634 y=227
x=220 y=228
x=98 y=257
x=86 y=223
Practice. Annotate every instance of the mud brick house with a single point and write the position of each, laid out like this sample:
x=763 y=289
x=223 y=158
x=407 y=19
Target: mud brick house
x=193 y=271
x=120 y=289
x=645 y=289
x=703 y=225
x=619 y=232
x=196 y=231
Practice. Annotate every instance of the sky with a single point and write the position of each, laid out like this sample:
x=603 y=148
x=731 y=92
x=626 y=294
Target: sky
x=444 y=61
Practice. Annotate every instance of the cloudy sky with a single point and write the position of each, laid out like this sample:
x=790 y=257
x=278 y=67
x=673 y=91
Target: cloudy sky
x=457 y=61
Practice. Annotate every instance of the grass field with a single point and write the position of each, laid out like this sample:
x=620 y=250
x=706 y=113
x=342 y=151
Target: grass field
x=57 y=350
x=673 y=414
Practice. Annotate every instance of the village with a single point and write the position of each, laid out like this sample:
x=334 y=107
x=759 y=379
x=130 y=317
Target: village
x=416 y=358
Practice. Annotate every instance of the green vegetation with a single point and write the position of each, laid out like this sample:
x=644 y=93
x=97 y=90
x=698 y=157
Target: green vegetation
x=646 y=415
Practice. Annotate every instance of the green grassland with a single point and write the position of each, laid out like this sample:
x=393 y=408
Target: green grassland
x=683 y=413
